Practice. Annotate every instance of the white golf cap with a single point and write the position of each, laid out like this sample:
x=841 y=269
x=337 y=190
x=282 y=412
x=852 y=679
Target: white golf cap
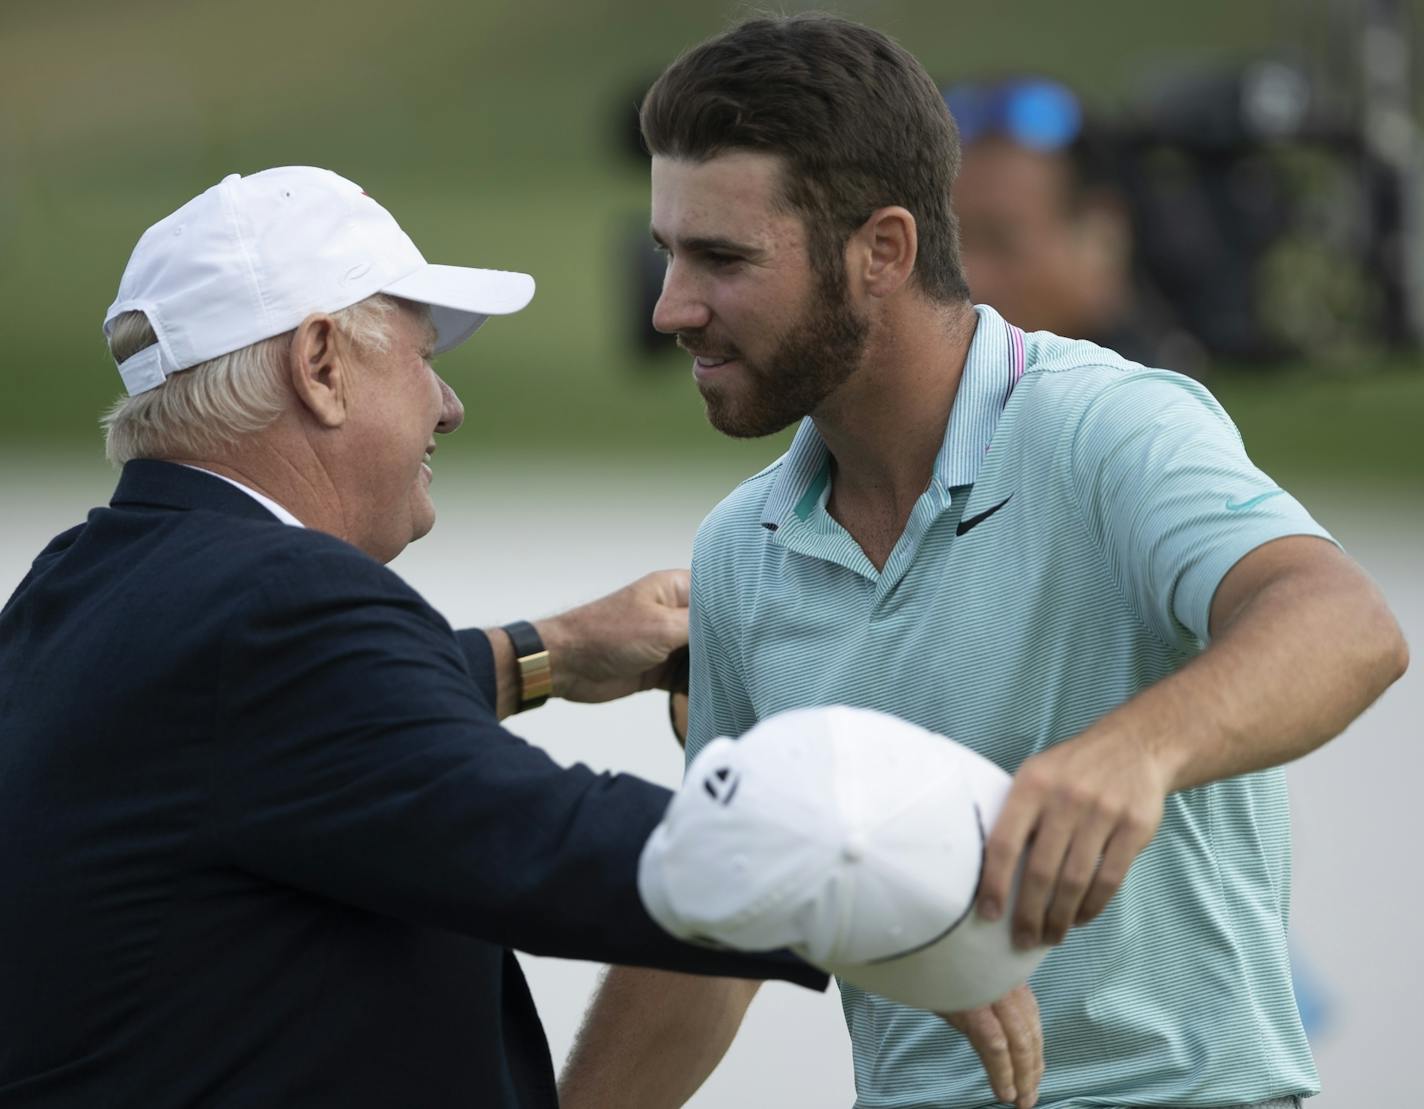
x=254 y=256
x=852 y=837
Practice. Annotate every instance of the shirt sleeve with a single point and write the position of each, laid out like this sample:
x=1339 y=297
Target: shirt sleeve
x=718 y=704
x=1163 y=480
x=356 y=759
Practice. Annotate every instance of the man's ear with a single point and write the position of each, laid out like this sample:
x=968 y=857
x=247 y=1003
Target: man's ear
x=882 y=252
x=318 y=372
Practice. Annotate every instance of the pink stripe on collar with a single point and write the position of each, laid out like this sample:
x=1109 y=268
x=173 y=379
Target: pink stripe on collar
x=1016 y=357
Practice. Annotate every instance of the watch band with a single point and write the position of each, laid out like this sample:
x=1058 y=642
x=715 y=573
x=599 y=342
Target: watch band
x=536 y=677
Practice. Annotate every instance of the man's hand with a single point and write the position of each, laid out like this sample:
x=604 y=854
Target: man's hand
x=1081 y=811
x=1009 y=1041
x=621 y=643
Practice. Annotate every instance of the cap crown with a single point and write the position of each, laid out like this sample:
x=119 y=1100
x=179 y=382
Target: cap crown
x=252 y=257
x=850 y=833
x=850 y=836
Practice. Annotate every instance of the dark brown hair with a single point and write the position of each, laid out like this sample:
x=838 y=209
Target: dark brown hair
x=857 y=119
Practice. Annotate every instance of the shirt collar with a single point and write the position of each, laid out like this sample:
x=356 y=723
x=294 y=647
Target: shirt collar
x=266 y=502
x=991 y=370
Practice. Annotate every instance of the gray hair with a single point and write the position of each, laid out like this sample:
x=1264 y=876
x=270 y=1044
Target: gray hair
x=216 y=403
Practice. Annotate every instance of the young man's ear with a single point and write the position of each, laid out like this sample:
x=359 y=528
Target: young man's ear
x=882 y=253
x=318 y=372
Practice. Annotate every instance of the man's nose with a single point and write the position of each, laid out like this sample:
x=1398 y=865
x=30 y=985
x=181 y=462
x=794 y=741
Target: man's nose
x=452 y=412
x=680 y=306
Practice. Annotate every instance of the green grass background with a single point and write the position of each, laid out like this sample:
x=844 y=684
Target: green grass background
x=491 y=131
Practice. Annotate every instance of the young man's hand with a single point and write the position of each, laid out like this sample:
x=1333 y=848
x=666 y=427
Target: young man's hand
x=1008 y=1038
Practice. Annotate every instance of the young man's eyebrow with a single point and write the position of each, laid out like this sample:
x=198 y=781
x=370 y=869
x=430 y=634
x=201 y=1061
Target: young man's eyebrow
x=708 y=245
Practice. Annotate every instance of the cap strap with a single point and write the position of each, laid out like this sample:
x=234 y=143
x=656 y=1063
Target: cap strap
x=145 y=370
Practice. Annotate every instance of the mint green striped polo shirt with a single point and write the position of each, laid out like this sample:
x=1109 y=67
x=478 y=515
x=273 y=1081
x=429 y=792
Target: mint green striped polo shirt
x=1111 y=499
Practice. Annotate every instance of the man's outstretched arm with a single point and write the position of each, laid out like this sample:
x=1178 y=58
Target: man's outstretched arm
x=651 y=1038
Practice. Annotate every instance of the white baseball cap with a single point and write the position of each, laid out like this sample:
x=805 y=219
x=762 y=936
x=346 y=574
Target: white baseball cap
x=254 y=256
x=852 y=837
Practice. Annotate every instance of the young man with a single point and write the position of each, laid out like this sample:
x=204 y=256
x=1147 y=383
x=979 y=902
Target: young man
x=1060 y=558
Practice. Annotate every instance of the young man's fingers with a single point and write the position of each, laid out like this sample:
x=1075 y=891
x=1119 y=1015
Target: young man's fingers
x=1118 y=854
x=991 y=1042
x=1018 y=1014
x=1041 y=871
x=987 y=1036
x=1080 y=868
x=1002 y=851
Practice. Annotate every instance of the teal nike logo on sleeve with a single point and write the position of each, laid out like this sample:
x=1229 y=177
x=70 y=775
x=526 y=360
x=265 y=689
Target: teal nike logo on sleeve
x=1242 y=506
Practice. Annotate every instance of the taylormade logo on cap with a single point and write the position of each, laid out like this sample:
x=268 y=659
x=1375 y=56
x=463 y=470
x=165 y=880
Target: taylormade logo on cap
x=852 y=837
x=254 y=256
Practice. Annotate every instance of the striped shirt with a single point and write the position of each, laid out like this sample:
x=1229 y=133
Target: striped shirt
x=1110 y=500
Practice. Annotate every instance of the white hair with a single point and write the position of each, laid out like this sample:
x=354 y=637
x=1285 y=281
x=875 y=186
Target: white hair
x=216 y=403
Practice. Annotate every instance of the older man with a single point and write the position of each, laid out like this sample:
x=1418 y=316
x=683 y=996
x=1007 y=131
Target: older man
x=262 y=840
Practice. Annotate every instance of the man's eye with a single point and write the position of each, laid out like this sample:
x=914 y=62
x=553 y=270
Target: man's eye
x=716 y=259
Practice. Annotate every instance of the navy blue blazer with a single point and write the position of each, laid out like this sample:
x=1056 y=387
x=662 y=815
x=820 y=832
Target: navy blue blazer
x=262 y=840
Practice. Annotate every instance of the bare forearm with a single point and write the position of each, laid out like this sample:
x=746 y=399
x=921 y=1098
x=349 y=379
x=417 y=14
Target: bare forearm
x=1290 y=667
x=651 y=1038
x=608 y=648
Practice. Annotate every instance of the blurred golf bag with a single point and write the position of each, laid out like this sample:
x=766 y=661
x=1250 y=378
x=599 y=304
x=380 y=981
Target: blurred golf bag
x=1276 y=205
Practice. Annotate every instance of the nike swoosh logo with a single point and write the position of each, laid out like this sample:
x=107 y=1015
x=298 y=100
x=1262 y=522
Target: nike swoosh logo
x=975 y=521
x=1242 y=506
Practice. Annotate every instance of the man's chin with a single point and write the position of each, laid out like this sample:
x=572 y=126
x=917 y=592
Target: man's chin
x=422 y=525
x=422 y=514
x=740 y=424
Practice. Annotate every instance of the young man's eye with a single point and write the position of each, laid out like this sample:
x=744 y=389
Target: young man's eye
x=716 y=259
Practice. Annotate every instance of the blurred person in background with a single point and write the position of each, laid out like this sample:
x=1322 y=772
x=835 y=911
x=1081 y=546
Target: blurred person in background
x=1056 y=556
x=1046 y=231
x=262 y=838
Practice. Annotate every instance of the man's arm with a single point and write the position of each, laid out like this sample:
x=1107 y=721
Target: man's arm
x=1302 y=643
x=651 y=1038
x=381 y=781
x=1206 y=549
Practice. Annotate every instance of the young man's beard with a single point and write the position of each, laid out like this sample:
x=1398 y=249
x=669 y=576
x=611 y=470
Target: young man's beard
x=814 y=359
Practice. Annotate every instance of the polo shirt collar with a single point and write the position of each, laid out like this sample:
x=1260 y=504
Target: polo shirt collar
x=993 y=367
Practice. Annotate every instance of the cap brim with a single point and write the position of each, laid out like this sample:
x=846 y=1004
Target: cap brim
x=461 y=298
